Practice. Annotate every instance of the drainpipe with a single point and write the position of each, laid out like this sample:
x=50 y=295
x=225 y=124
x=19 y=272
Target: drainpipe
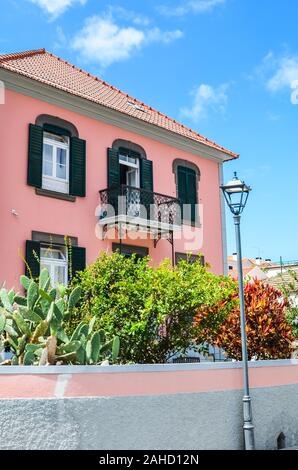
x=223 y=222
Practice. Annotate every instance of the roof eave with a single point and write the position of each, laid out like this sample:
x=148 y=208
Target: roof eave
x=20 y=82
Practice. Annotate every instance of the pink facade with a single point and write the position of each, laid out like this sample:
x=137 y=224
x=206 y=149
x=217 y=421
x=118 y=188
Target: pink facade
x=23 y=211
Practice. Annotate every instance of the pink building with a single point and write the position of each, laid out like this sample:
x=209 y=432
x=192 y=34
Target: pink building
x=83 y=160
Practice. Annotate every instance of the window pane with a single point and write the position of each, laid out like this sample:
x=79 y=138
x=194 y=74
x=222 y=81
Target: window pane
x=43 y=252
x=47 y=164
x=132 y=160
x=47 y=168
x=61 y=172
x=48 y=152
x=60 y=275
x=43 y=265
x=61 y=156
x=61 y=163
x=127 y=159
x=123 y=158
x=52 y=253
x=56 y=138
x=131 y=178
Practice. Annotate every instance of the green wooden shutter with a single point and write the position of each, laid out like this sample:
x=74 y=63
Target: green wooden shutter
x=192 y=192
x=34 y=174
x=113 y=168
x=146 y=174
x=147 y=198
x=182 y=193
x=187 y=191
x=77 y=167
x=113 y=178
x=32 y=258
x=77 y=259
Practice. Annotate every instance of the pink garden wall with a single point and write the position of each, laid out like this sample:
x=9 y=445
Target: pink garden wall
x=78 y=219
x=167 y=406
x=136 y=380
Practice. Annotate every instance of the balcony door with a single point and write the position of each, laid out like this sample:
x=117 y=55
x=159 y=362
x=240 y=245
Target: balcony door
x=130 y=177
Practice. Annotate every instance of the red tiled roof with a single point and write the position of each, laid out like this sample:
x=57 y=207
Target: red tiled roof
x=47 y=68
x=233 y=273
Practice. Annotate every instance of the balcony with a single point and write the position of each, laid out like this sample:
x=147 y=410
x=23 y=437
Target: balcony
x=139 y=209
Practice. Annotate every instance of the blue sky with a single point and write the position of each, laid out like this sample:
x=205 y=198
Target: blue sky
x=223 y=67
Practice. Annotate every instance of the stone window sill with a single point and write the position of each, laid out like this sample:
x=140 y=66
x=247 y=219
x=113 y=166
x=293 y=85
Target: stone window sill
x=54 y=194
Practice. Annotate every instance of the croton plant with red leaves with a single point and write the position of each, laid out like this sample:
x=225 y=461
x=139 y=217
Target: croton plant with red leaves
x=269 y=336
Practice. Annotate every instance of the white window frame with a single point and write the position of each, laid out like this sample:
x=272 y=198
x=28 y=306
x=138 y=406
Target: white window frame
x=52 y=263
x=54 y=183
x=133 y=196
x=124 y=160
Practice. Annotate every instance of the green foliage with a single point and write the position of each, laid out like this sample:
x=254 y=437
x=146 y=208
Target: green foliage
x=34 y=327
x=74 y=297
x=292 y=319
x=151 y=309
x=288 y=284
x=2 y=321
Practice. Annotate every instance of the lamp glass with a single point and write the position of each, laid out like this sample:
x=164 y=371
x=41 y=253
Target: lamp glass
x=236 y=193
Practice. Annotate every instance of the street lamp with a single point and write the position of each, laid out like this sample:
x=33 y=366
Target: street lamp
x=236 y=193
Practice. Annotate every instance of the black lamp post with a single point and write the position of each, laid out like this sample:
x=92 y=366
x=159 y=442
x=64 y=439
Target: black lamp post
x=236 y=193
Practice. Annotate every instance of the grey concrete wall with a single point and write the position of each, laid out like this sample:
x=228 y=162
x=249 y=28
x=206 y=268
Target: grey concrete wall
x=211 y=420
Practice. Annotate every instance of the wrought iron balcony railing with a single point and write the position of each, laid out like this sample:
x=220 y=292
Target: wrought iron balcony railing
x=140 y=206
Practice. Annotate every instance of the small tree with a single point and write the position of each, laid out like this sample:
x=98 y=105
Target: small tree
x=288 y=284
x=269 y=335
x=151 y=309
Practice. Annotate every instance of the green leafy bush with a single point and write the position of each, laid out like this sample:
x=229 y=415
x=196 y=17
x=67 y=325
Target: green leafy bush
x=292 y=319
x=151 y=309
x=288 y=284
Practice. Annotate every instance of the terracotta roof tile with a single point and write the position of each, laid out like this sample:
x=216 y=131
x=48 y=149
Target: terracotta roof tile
x=47 y=68
x=286 y=280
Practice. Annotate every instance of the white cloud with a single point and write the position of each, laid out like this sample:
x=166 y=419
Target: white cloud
x=56 y=7
x=205 y=99
x=61 y=39
x=156 y=35
x=262 y=71
x=103 y=41
x=278 y=73
x=129 y=15
x=191 y=6
x=285 y=74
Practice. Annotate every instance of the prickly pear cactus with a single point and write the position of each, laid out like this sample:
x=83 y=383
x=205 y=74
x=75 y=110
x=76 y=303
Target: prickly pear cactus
x=32 y=326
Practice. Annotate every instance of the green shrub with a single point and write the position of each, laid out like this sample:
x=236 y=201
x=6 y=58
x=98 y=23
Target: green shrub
x=151 y=309
x=288 y=285
x=292 y=319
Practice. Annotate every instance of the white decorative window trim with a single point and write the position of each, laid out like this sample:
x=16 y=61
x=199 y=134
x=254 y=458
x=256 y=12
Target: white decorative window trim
x=53 y=182
x=55 y=259
x=133 y=195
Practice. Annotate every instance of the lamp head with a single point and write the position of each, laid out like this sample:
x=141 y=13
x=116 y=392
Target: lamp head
x=236 y=193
